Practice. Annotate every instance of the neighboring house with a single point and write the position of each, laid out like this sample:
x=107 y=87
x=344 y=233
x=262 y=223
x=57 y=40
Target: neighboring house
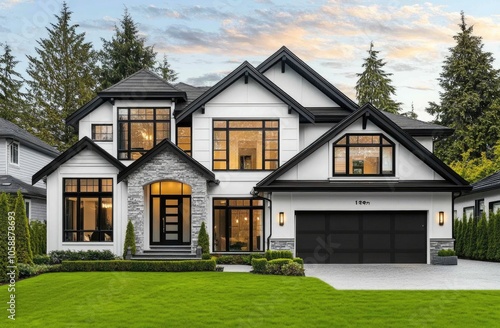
x=483 y=198
x=272 y=157
x=21 y=156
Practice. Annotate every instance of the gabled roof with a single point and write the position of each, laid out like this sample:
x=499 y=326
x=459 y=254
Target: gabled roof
x=418 y=128
x=84 y=143
x=10 y=130
x=284 y=54
x=489 y=183
x=389 y=127
x=245 y=70
x=166 y=144
x=143 y=84
x=11 y=185
x=192 y=93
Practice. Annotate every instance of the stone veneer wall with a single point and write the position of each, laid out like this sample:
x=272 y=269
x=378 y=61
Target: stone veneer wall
x=438 y=244
x=283 y=244
x=166 y=166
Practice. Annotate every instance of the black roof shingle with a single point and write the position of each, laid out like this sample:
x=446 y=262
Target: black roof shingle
x=11 y=185
x=11 y=130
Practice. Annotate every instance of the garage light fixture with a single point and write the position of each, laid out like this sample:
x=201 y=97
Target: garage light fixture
x=282 y=218
x=441 y=218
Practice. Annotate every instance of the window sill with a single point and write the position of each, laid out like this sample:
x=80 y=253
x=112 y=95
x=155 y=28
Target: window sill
x=363 y=178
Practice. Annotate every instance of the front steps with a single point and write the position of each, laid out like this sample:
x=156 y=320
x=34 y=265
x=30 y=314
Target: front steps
x=167 y=252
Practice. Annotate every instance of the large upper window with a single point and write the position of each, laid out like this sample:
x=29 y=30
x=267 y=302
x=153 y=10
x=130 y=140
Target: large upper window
x=246 y=145
x=238 y=225
x=364 y=154
x=140 y=129
x=14 y=152
x=88 y=210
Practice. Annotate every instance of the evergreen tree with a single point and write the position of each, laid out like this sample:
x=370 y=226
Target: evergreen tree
x=471 y=251
x=63 y=78
x=125 y=54
x=374 y=84
x=492 y=246
x=203 y=240
x=458 y=237
x=129 y=240
x=23 y=240
x=497 y=235
x=165 y=71
x=482 y=239
x=4 y=238
x=468 y=102
x=467 y=248
x=12 y=104
x=411 y=113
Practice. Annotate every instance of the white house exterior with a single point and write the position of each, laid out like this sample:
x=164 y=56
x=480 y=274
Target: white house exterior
x=483 y=198
x=21 y=156
x=272 y=157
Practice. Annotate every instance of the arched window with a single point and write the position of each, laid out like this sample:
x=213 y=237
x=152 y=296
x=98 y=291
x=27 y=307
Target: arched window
x=363 y=154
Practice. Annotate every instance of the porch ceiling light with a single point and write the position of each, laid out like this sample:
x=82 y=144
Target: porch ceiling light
x=281 y=218
x=441 y=218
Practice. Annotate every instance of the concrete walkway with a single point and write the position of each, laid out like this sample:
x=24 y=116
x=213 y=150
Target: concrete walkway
x=236 y=268
x=466 y=275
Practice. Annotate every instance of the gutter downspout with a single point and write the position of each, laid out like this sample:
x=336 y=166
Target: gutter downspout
x=255 y=194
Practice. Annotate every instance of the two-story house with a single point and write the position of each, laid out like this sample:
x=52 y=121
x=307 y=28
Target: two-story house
x=271 y=157
x=21 y=156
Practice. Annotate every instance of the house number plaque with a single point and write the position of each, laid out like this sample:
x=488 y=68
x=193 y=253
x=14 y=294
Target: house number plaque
x=362 y=202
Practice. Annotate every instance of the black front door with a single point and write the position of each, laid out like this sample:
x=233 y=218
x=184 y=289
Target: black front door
x=170 y=220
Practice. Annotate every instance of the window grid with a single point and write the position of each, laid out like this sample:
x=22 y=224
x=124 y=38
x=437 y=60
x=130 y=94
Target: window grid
x=102 y=132
x=269 y=142
x=14 y=153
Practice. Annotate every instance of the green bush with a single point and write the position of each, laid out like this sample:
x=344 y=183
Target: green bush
x=4 y=238
x=56 y=257
x=203 y=240
x=259 y=265
x=482 y=239
x=457 y=234
x=275 y=266
x=299 y=261
x=497 y=236
x=492 y=246
x=292 y=269
x=149 y=266
x=467 y=231
x=23 y=241
x=446 y=252
x=272 y=255
x=129 y=239
x=41 y=259
x=206 y=256
x=38 y=233
x=29 y=270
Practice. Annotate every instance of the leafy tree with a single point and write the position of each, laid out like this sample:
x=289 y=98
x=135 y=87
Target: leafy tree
x=4 y=246
x=129 y=240
x=476 y=168
x=165 y=71
x=23 y=241
x=203 y=240
x=125 y=54
x=374 y=84
x=468 y=102
x=482 y=239
x=12 y=104
x=63 y=78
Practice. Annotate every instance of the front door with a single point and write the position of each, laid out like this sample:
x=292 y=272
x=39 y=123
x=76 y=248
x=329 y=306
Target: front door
x=170 y=220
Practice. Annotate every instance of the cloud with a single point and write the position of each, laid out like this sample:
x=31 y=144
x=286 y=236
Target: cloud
x=106 y=23
x=206 y=79
x=403 y=67
x=11 y=3
x=419 y=87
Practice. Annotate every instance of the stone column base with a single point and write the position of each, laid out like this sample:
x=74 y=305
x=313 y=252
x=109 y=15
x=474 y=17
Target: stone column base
x=281 y=244
x=438 y=244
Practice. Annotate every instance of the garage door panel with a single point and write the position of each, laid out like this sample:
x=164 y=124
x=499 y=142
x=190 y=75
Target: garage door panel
x=376 y=241
x=366 y=237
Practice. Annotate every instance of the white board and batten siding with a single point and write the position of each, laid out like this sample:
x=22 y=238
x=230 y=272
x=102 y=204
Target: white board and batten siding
x=86 y=164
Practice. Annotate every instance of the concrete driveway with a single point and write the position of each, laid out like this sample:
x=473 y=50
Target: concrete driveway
x=466 y=275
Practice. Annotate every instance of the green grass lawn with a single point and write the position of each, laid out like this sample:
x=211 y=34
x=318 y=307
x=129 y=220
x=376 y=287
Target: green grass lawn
x=207 y=299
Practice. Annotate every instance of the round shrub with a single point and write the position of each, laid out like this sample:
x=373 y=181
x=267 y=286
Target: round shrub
x=292 y=269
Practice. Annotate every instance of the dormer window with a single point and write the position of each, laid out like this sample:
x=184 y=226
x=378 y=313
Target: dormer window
x=363 y=154
x=140 y=129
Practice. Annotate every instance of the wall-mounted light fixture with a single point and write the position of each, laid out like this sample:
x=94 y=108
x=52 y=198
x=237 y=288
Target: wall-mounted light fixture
x=441 y=218
x=282 y=218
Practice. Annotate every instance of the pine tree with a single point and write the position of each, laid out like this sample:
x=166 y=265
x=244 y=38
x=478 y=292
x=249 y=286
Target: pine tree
x=492 y=247
x=458 y=237
x=467 y=229
x=482 y=239
x=125 y=54
x=63 y=78
x=4 y=237
x=165 y=71
x=468 y=102
x=12 y=104
x=203 y=241
x=411 y=114
x=374 y=84
x=129 y=240
x=23 y=240
x=497 y=236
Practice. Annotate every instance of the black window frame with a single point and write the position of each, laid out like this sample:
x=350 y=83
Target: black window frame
x=187 y=151
x=227 y=208
x=128 y=151
x=263 y=129
x=78 y=194
x=380 y=145
x=94 y=134
x=493 y=203
x=477 y=208
x=468 y=208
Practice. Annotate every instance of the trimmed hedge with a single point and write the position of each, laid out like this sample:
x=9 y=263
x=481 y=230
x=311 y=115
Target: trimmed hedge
x=478 y=239
x=56 y=257
x=293 y=269
x=272 y=255
x=259 y=265
x=238 y=259
x=147 y=266
x=446 y=252
x=287 y=267
x=30 y=270
x=298 y=260
x=41 y=259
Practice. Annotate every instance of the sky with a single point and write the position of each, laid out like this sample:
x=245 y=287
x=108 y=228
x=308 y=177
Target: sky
x=205 y=40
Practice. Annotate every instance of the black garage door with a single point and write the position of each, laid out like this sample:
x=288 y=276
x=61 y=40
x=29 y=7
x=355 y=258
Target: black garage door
x=362 y=237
